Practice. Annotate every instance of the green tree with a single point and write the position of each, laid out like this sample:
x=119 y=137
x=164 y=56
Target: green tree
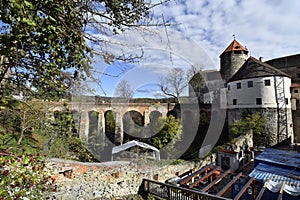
x=64 y=141
x=45 y=45
x=254 y=122
x=20 y=118
x=169 y=132
x=42 y=43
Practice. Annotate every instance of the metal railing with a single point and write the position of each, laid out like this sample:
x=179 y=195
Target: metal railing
x=158 y=190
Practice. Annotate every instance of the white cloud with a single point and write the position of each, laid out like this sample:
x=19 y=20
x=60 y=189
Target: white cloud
x=268 y=28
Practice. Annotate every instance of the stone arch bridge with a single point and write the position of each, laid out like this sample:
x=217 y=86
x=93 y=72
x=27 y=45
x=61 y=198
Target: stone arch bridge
x=82 y=113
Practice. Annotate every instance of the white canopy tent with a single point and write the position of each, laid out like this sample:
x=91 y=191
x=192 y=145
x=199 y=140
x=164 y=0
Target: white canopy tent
x=134 y=143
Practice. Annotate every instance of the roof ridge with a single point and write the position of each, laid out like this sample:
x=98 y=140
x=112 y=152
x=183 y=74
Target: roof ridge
x=261 y=69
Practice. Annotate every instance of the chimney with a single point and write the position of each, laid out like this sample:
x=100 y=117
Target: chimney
x=260 y=59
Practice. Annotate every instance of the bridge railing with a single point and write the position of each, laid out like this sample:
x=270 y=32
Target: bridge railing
x=172 y=192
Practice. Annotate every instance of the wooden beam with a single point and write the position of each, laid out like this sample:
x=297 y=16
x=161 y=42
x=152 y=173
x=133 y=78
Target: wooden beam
x=215 y=181
x=205 y=177
x=281 y=191
x=221 y=193
x=200 y=171
x=261 y=192
x=185 y=173
x=244 y=189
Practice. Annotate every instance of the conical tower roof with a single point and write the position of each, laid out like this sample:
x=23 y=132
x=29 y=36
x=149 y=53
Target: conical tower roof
x=235 y=46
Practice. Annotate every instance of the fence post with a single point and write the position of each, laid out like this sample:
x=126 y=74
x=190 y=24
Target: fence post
x=169 y=192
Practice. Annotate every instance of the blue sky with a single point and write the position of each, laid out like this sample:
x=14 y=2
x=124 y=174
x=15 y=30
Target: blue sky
x=268 y=28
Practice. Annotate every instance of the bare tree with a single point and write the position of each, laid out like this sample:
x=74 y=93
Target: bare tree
x=178 y=79
x=197 y=82
x=174 y=84
x=124 y=91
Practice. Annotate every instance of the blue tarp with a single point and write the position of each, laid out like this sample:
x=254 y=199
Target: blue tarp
x=263 y=172
x=279 y=158
x=277 y=170
x=278 y=167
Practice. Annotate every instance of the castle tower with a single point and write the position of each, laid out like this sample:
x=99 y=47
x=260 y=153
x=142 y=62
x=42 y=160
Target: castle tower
x=232 y=59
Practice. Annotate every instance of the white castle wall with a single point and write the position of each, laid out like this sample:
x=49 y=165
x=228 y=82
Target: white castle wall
x=246 y=96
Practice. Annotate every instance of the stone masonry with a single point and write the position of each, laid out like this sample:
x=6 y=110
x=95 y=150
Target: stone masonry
x=76 y=180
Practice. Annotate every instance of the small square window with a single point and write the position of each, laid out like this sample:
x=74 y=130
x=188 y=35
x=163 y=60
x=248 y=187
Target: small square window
x=228 y=87
x=234 y=102
x=258 y=101
x=238 y=85
x=286 y=101
x=267 y=82
x=250 y=84
x=295 y=91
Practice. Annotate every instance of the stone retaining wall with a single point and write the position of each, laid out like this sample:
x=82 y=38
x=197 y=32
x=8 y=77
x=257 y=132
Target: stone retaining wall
x=108 y=180
x=117 y=179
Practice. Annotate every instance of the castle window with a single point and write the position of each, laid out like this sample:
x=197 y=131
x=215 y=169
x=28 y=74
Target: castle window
x=295 y=91
x=258 y=101
x=228 y=87
x=286 y=101
x=267 y=82
x=250 y=84
x=238 y=85
x=234 y=102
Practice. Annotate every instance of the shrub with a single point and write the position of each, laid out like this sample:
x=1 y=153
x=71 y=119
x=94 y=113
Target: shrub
x=23 y=176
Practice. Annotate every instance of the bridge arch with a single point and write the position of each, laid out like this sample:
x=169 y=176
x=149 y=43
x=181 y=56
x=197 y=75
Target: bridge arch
x=154 y=115
x=93 y=125
x=76 y=119
x=133 y=123
x=174 y=113
x=110 y=125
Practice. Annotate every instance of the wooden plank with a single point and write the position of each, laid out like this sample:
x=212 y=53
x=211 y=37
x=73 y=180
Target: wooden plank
x=205 y=177
x=215 y=181
x=221 y=193
x=244 y=189
x=261 y=192
x=185 y=173
x=281 y=191
x=200 y=171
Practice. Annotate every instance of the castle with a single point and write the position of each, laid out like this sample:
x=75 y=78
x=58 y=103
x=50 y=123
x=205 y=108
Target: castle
x=270 y=88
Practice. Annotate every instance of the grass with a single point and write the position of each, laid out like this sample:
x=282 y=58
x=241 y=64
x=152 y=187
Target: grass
x=30 y=143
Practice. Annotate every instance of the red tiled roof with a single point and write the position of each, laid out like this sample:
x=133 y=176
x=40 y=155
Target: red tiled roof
x=228 y=151
x=235 y=46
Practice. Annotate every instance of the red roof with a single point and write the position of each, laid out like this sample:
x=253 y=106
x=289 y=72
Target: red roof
x=227 y=151
x=295 y=85
x=235 y=46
